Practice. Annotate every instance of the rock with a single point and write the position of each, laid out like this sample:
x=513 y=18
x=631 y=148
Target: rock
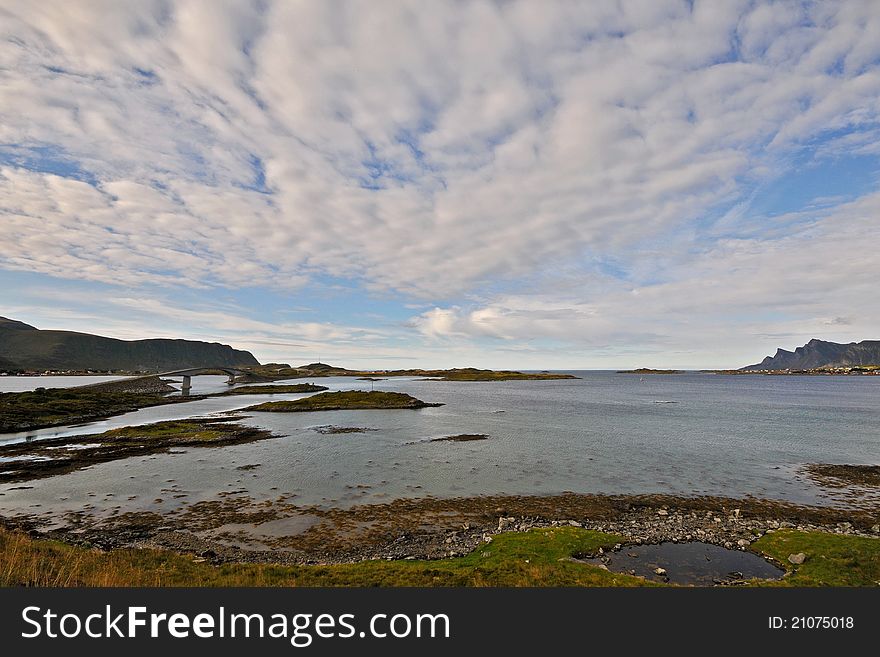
x=574 y=523
x=876 y=529
x=798 y=558
x=662 y=512
x=659 y=571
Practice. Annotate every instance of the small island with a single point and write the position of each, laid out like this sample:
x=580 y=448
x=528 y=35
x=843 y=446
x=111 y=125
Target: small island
x=648 y=370
x=344 y=401
x=275 y=389
x=460 y=438
x=27 y=461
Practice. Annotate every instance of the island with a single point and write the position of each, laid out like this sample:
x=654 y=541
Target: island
x=279 y=371
x=648 y=370
x=274 y=389
x=344 y=401
x=28 y=461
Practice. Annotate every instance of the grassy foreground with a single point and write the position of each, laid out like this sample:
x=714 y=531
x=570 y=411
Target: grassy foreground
x=831 y=559
x=540 y=557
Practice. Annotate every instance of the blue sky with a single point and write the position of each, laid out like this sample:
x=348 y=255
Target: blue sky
x=495 y=184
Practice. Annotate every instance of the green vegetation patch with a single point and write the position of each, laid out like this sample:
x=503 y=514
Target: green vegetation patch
x=342 y=401
x=829 y=559
x=540 y=557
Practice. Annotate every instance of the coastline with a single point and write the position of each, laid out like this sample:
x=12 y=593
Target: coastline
x=434 y=528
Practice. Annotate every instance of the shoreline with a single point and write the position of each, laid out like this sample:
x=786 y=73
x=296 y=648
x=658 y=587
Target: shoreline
x=228 y=530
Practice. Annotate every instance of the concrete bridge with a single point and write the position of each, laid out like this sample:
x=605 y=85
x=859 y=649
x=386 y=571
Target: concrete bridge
x=187 y=375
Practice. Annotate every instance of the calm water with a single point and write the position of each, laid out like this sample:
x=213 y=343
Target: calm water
x=609 y=433
x=700 y=564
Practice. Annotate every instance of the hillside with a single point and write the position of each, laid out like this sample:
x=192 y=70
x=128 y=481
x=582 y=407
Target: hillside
x=25 y=347
x=818 y=353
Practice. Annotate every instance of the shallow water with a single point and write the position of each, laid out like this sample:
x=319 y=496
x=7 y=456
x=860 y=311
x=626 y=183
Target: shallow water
x=725 y=435
x=694 y=563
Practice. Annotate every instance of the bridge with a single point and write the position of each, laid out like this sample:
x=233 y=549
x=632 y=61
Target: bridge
x=187 y=375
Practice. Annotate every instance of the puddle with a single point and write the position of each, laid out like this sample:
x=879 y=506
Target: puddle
x=697 y=564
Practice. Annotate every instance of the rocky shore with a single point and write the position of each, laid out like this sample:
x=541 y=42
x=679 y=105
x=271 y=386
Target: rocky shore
x=236 y=529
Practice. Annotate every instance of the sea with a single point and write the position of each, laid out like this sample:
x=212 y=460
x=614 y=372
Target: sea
x=682 y=434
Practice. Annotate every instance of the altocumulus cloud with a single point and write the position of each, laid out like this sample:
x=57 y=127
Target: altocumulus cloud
x=597 y=162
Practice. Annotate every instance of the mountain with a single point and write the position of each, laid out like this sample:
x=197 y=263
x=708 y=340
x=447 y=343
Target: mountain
x=818 y=353
x=25 y=347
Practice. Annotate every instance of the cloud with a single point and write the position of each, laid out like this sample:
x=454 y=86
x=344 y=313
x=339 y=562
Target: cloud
x=437 y=151
x=740 y=297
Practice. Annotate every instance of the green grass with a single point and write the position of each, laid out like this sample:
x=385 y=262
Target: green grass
x=174 y=430
x=540 y=557
x=347 y=400
x=832 y=559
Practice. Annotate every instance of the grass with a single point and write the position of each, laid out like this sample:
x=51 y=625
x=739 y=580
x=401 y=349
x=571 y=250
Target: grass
x=347 y=400
x=540 y=557
x=174 y=431
x=536 y=558
x=832 y=559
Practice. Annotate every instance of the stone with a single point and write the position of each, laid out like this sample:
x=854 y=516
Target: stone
x=574 y=523
x=798 y=558
x=662 y=512
x=742 y=542
x=659 y=571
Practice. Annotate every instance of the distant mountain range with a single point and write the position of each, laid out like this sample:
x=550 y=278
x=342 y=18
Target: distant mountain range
x=818 y=353
x=24 y=347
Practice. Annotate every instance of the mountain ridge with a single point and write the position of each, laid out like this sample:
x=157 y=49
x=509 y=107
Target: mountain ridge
x=25 y=347
x=820 y=353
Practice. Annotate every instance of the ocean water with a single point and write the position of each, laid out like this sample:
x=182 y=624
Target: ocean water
x=603 y=433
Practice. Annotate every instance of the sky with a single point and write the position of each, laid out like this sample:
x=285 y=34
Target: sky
x=533 y=185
